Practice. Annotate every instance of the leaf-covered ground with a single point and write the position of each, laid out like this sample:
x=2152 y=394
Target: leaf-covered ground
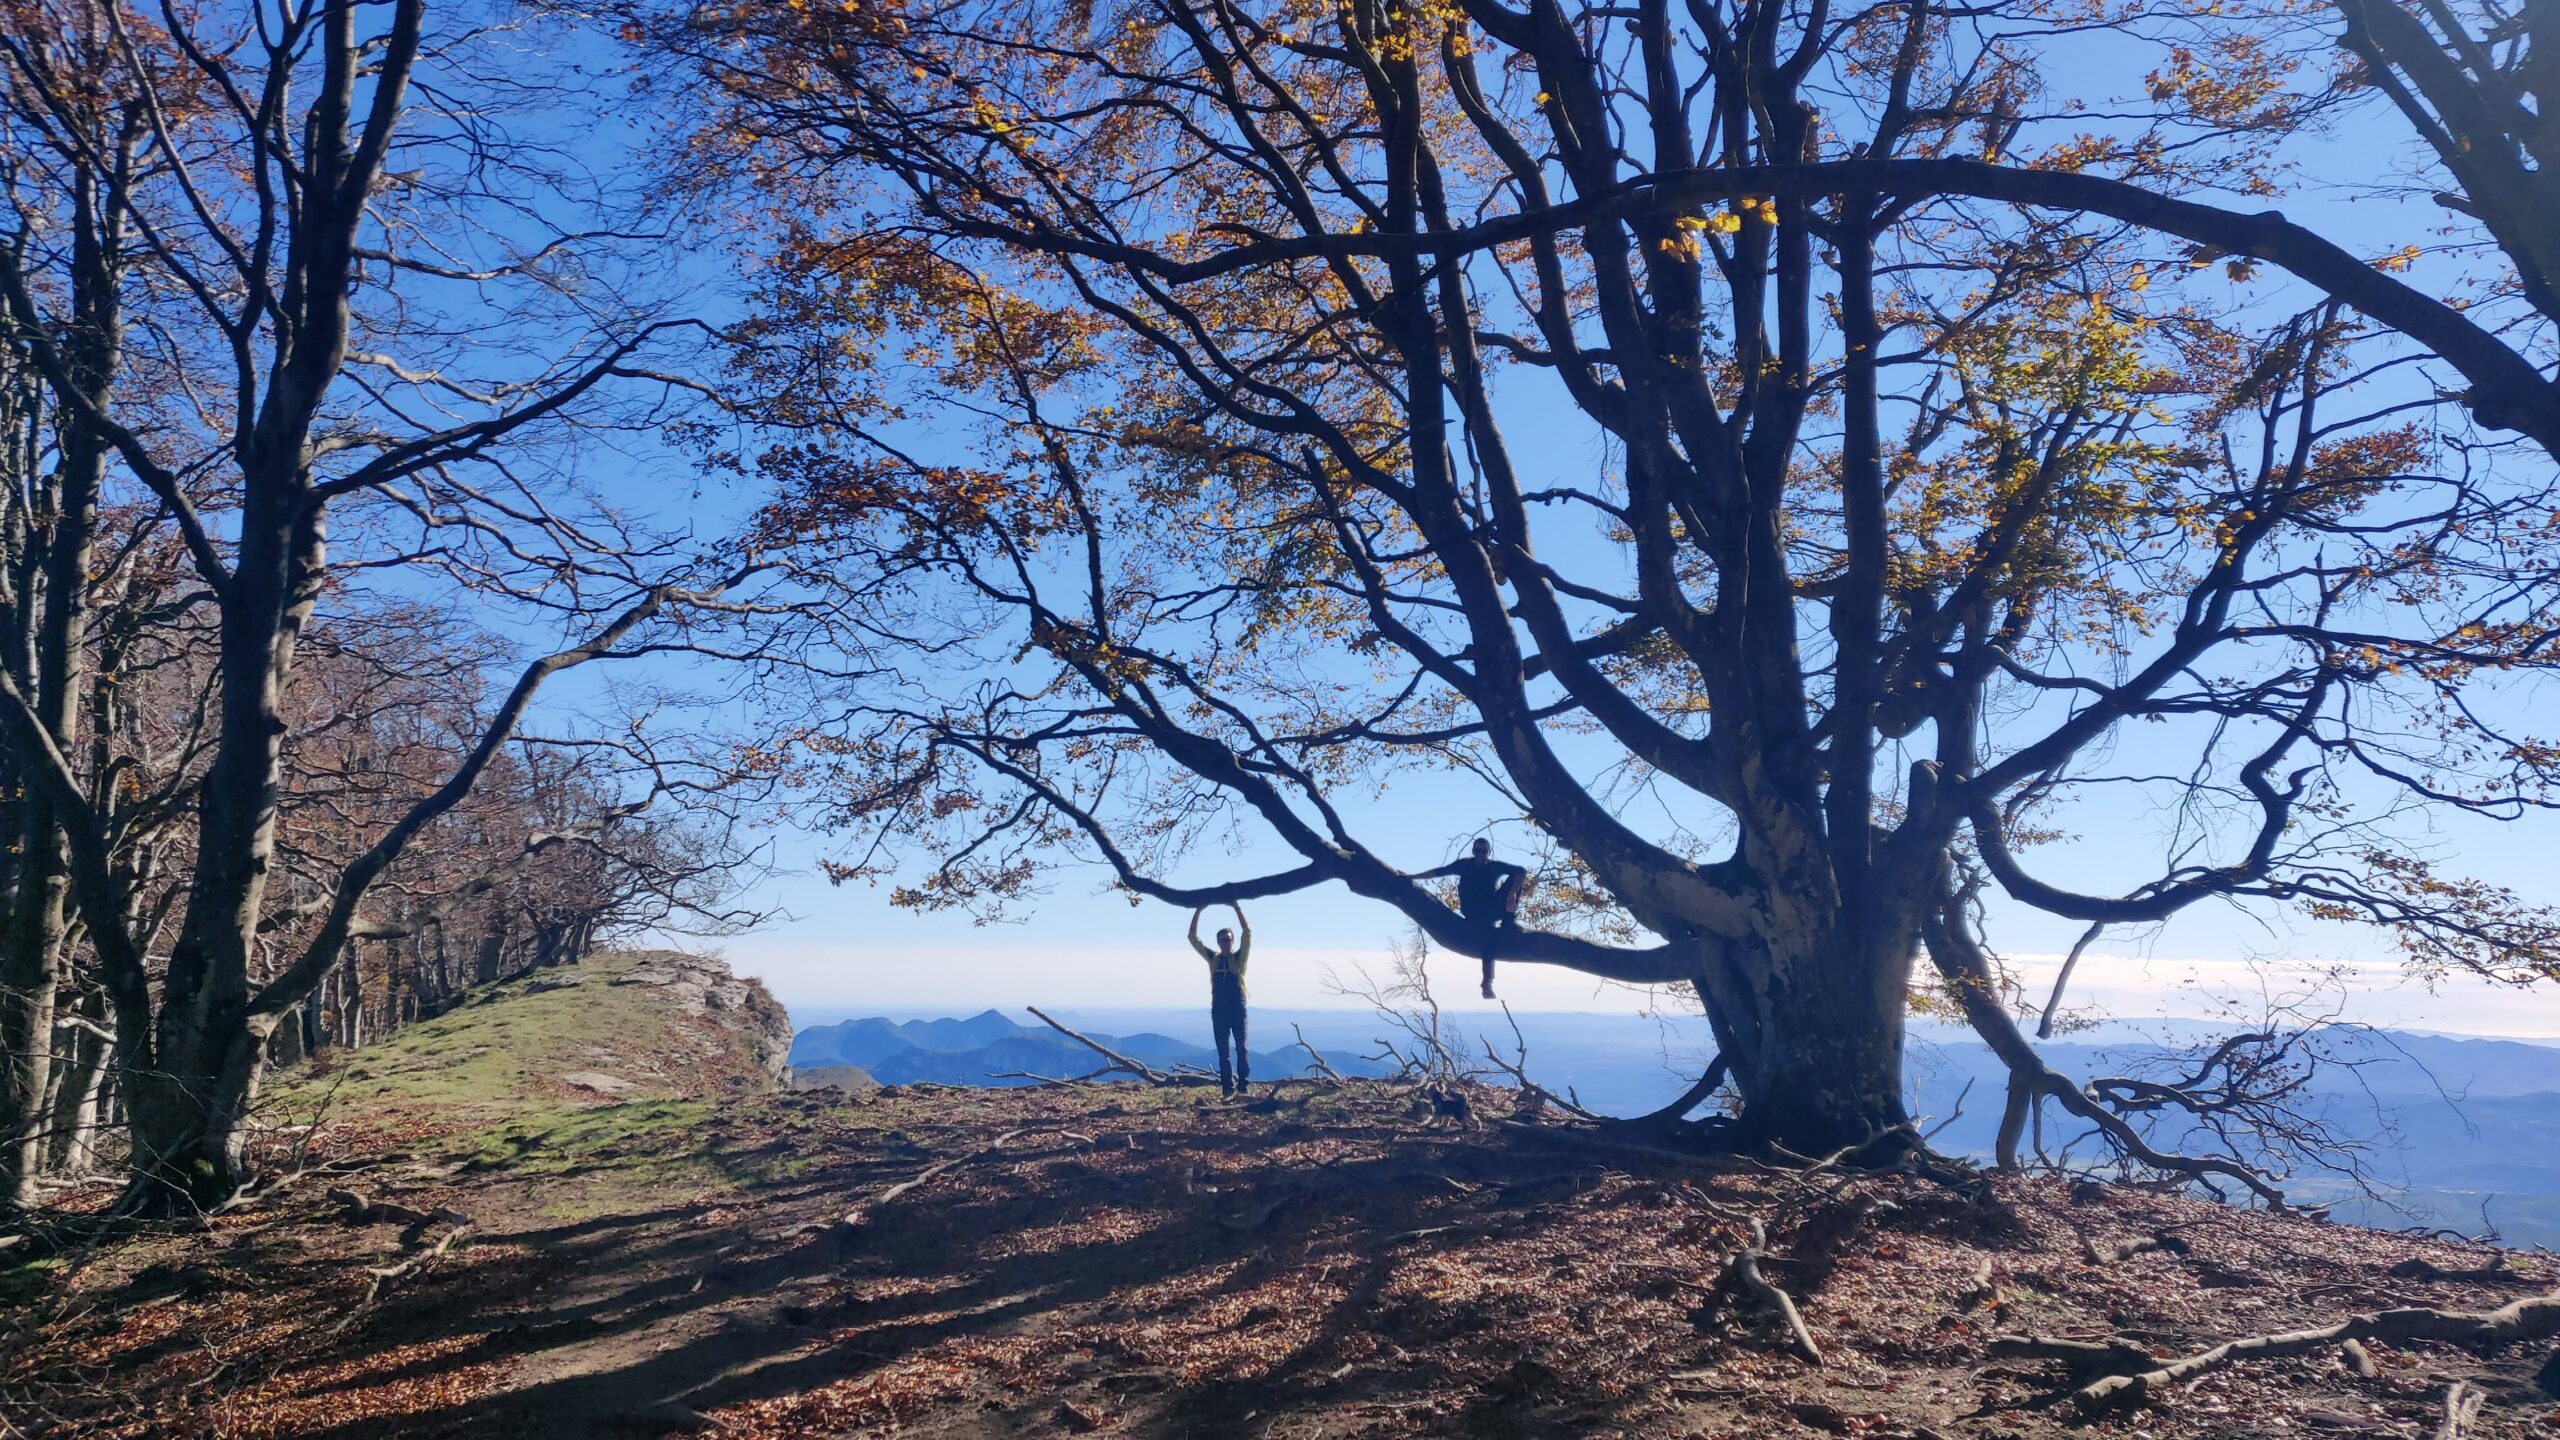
x=1311 y=1262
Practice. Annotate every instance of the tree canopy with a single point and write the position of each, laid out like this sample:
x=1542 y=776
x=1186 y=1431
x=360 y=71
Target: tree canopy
x=1802 y=460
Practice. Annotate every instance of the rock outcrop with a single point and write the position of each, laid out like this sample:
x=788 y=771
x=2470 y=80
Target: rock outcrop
x=703 y=985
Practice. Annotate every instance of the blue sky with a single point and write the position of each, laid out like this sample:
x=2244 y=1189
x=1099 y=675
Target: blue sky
x=845 y=947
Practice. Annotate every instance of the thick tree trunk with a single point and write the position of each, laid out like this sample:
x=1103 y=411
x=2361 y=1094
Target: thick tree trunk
x=493 y=949
x=189 y=1122
x=1815 y=1040
x=1829 y=1069
x=40 y=911
x=190 y=1102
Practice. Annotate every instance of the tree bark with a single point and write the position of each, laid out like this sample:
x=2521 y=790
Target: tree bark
x=71 y=1147
x=1825 y=1068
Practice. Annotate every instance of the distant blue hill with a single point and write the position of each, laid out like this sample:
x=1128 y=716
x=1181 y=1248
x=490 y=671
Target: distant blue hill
x=868 y=1042
x=991 y=1050
x=2451 y=1123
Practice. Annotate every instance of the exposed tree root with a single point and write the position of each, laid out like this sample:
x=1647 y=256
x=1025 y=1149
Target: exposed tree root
x=355 y=1209
x=1696 y=1095
x=2499 y=1271
x=2114 y=1355
x=1742 y=1272
x=2520 y=1320
x=2126 y=1250
x=419 y=1222
x=1259 y=1215
x=2461 y=1408
x=1605 y=1140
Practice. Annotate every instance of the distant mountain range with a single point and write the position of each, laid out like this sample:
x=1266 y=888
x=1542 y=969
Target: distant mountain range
x=2453 y=1125
x=991 y=1049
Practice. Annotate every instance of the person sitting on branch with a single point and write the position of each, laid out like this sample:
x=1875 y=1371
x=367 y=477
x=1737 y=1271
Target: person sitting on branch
x=1489 y=892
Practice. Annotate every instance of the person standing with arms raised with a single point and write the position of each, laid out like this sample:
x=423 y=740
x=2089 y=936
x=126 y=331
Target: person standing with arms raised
x=1226 y=995
x=1488 y=898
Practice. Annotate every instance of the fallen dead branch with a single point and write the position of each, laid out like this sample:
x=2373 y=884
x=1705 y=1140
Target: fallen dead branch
x=1742 y=1272
x=1115 y=1060
x=1323 y=1066
x=1517 y=1067
x=1053 y=1082
x=941 y=1167
x=2528 y=1319
x=853 y=1219
x=1982 y=1289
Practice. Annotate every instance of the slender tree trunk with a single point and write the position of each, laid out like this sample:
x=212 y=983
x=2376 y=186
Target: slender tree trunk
x=30 y=977
x=351 y=998
x=2013 y=1122
x=31 y=971
x=72 y=1145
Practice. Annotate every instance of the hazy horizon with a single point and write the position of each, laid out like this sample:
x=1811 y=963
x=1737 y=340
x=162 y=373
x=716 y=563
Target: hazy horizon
x=940 y=974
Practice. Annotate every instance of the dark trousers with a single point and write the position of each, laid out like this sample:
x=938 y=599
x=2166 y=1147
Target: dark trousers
x=1489 y=932
x=1226 y=1021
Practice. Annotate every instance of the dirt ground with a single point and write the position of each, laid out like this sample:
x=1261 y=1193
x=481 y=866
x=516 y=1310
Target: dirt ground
x=1157 y=1262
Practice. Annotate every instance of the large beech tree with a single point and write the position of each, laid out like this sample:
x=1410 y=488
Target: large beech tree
x=1797 y=457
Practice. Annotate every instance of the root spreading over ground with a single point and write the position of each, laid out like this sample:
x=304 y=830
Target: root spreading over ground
x=1335 y=1260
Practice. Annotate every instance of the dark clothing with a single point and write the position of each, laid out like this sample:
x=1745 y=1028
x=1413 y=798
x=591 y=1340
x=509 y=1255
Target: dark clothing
x=1489 y=935
x=1226 y=1022
x=1487 y=889
x=1480 y=884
